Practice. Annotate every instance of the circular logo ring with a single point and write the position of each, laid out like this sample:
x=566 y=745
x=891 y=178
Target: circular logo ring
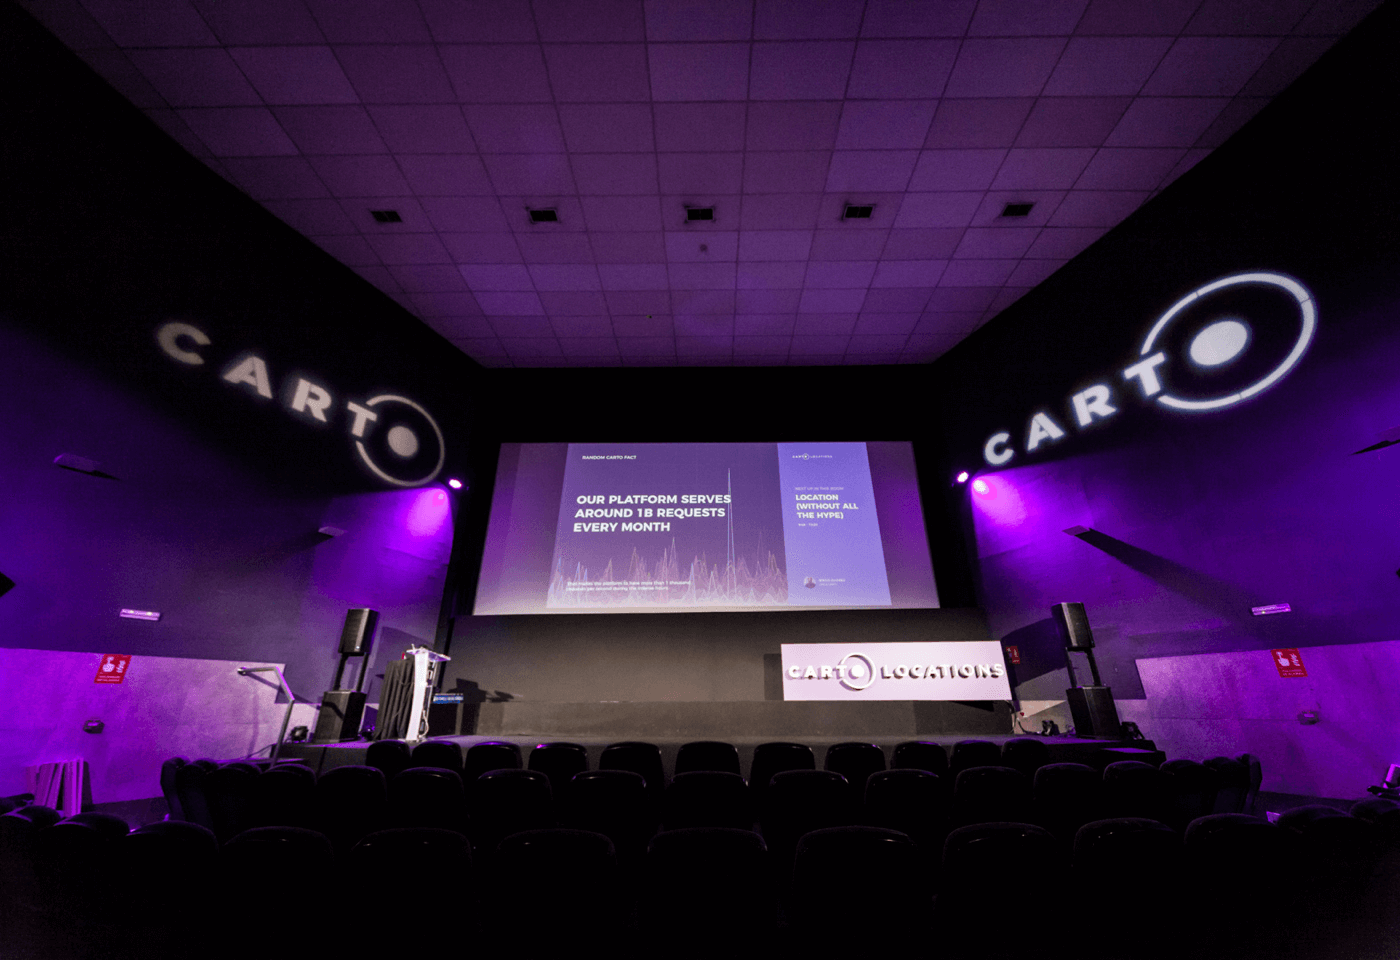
x=442 y=444
x=869 y=671
x=1306 y=306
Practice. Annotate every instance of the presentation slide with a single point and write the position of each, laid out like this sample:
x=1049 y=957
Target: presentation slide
x=648 y=527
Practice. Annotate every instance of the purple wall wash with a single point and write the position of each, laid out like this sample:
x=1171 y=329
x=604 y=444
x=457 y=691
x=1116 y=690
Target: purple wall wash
x=211 y=485
x=1186 y=520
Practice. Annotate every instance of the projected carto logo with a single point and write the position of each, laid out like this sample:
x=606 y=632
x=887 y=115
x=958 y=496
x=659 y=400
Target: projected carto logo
x=397 y=439
x=1219 y=345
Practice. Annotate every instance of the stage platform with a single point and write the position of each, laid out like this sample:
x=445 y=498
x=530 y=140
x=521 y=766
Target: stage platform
x=724 y=719
x=1062 y=749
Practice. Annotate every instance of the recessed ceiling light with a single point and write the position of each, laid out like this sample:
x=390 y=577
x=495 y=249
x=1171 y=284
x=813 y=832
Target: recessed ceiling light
x=858 y=212
x=699 y=213
x=386 y=216
x=545 y=215
x=1017 y=210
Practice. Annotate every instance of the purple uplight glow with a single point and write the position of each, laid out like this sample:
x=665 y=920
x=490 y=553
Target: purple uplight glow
x=999 y=501
x=454 y=483
x=427 y=513
x=962 y=477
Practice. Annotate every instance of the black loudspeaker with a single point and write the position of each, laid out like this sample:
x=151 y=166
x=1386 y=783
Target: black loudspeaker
x=6 y=584
x=1073 y=624
x=1093 y=712
x=339 y=717
x=359 y=630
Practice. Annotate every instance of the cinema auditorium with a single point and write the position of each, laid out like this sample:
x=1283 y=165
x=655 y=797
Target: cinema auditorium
x=699 y=477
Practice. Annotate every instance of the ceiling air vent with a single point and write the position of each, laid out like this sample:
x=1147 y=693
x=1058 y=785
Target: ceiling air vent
x=546 y=215
x=1017 y=210
x=386 y=216
x=855 y=212
x=692 y=214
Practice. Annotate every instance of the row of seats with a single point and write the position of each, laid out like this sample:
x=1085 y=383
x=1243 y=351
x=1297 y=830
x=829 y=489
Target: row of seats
x=348 y=802
x=699 y=890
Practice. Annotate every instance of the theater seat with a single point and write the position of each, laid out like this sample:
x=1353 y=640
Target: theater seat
x=428 y=797
x=167 y=786
x=1122 y=866
x=991 y=795
x=285 y=796
x=228 y=791
x=913 y=802
x=920 y=755
x=638 y=757
x=490 y=755
x=614 y=803
x=558 y=761
x=1231 y=784
x=855 y=761
x=707 y=755
x=435 y=863
x=853 y=875
x=190 y=780
x=800 y=801
x=708 y=892
x=971 y=918
x=503 y=802
x=248 y=891
x=1065 y=796
x=1027 y=754
x=351 y=801
x=1192 y=789
x=571 y=887
x=392 y=757
x=177 y=859
x=445 y=754
x=973 y=753
x=1242 y=884
x=775 y=757
x=707 y=798
x=1132 y=788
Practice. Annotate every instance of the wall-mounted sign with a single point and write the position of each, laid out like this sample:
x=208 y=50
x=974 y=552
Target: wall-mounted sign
x=396 y=440
x=112 y=669
x=1289 y=662
x=971 y=670
x=1013 y=655
x=1219 y=345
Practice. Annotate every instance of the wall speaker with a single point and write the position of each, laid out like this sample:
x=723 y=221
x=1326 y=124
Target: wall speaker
x=1073 y=624
x=359 y=631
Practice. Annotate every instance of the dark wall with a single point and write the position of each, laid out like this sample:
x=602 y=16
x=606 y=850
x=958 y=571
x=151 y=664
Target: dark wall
x=211 y=495
x=1195 y=518
x=643 y=657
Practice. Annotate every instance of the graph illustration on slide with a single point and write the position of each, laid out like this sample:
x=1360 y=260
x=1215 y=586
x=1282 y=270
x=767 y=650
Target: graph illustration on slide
x=669 y=525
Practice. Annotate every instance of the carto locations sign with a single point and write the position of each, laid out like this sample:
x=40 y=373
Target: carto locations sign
x=972 y=670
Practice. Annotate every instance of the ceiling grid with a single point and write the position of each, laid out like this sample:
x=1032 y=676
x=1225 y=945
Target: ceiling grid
x=462 y=115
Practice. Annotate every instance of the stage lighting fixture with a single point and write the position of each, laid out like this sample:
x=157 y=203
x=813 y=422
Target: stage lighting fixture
x=980 y=487
x=455 y=484
x=962 y=477
x=6 y=584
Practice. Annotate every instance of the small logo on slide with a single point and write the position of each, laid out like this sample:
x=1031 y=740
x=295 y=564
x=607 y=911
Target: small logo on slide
x=810 y=583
